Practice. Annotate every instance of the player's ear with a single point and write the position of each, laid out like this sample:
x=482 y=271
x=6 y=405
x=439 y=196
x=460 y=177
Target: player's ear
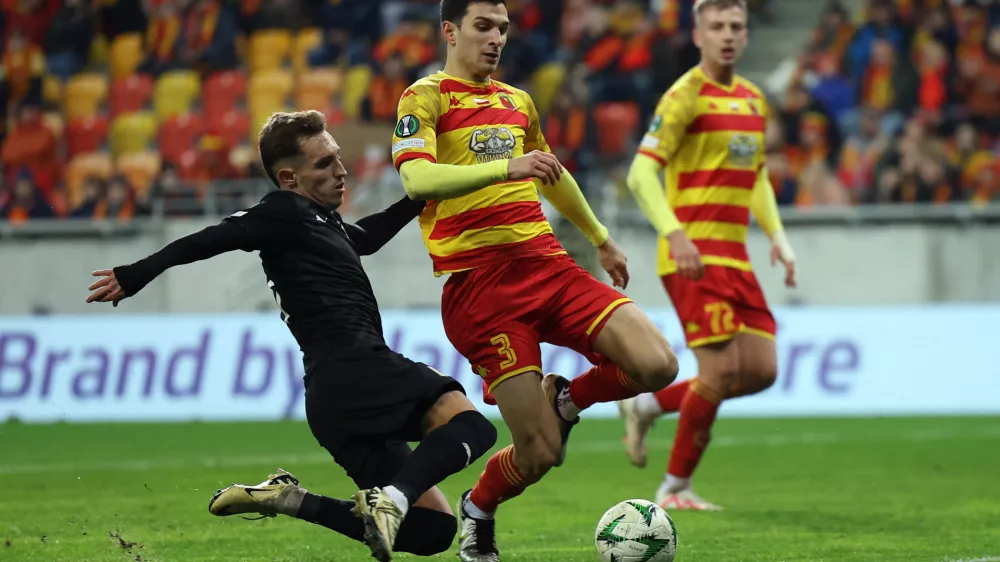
x=696 y=36
x=286 y=178
x=450 y=32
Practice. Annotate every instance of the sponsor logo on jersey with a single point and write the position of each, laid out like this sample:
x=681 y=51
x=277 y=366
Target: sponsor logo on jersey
x=742 y=149
x=492 y=143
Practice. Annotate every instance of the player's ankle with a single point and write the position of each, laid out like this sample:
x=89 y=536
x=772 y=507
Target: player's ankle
x=398 y=497
x=292 y=502
x=565 y=407
x=475 y=512
x=647 y=405
x=674 y=484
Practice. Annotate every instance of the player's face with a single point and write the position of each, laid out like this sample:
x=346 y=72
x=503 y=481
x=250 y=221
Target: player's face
x=321 y=175
x=722 y=35
x=481 y=37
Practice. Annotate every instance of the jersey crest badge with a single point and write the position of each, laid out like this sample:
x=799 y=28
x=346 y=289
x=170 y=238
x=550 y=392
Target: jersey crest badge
x=656 y=124
x=408 y=126
x=507 y=102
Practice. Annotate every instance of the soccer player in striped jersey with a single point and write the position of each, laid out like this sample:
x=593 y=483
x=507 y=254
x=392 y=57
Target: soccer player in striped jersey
x=708 y=135
x=473 y=148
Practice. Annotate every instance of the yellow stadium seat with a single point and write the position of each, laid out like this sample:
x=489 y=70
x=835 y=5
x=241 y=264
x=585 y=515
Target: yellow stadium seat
x=55 y=122
x=545 y=84
x=125 y=54
x=132 y=132
x=306 y=40
x=99 y=48
x=140 y=168
x=84 y=94
x=175 y=92
x=52 y=89
x=318 y=87
x=355 y=89
x=94 y=164
x=269 y=48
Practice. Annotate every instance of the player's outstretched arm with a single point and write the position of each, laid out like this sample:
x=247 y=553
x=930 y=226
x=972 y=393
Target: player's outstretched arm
x=370 y=233
x=764 y=207
x=566 y=196
x=127 y=280
x=431 y=181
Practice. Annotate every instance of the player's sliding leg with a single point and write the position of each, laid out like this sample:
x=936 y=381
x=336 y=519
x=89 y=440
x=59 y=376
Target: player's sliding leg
x=536 y=446
x=428 y=529
x=455 y=436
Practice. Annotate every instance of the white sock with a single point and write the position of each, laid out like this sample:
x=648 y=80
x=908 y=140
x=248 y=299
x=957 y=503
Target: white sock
x=475 y=512
x=292 y=502
x=568 y=411
x=648 y=405
x=676 y=484
x=397 y=497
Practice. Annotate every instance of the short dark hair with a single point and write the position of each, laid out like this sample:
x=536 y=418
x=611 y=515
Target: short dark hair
x=281 y=137
x=455 y=10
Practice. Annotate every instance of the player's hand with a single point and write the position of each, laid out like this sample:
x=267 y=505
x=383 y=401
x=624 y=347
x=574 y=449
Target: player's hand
x=781 y=251
x=687 y=256
x=613 y=261
x=535 y=164
x=106 y=289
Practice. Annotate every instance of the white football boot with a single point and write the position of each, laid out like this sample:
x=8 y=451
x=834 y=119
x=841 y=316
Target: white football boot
x=683 y=500
x=637 y=425
x=382 y=518
x=477 y=539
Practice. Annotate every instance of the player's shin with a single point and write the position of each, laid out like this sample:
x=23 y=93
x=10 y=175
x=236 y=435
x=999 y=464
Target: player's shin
x=499 y=482
x=698 y=411
x=669 y=399
x=333 y=514
x=444 y=451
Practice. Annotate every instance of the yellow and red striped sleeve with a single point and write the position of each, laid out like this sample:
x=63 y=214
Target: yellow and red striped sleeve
x=415 y=136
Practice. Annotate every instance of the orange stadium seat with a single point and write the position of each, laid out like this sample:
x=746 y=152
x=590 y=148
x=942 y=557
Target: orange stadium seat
x=355 y=89
x=93 y=164
x=615 y=122
x=140 y=168
x=233 y=127
x=84 y=94
x=86 y=134
x=175 y=92
x=306 y=40
x=222 y=91
x=179 y=133
x=269 y=48
x=317 y=88
x=132 y=132
x=131 y=93
x=125 y=54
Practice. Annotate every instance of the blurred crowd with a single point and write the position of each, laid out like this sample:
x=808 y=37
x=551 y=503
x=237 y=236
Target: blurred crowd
x=903 y=106
x=116 y=108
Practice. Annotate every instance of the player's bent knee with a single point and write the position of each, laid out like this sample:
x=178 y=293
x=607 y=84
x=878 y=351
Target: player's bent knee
x=481 y=434
x=658 y=369
x=426 y=532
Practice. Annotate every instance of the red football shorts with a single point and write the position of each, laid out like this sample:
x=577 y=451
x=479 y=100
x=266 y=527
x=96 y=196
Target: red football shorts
x=496 y=316
x=725 y=302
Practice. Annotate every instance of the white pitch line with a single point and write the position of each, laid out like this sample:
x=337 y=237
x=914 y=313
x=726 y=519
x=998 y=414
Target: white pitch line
x=584 y=447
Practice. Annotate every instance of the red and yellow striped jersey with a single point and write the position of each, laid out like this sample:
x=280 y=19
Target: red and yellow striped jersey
x=710 y=138
x=451 y=121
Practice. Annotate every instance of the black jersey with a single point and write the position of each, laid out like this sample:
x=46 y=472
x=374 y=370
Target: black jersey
x=312 y=263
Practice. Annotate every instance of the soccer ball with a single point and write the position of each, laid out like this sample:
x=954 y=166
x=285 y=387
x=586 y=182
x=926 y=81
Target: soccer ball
x=636 y=531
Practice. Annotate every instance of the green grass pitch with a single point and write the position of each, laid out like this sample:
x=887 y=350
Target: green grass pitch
x=810 y=490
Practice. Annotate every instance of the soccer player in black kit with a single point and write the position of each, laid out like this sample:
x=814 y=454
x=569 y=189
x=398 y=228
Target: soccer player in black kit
x=364 y=402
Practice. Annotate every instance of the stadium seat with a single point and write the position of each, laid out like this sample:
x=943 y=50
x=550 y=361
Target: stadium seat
x=223 y=91
x=242 y=157
x=84 y=95
x=52 y=89
x=86 y=134
x=55 y=122
x=355 y=89
x=545 y=84
x=179 y=133
x=132 y=132
x=317 y=88
x=233 y=127
x=267 y=93
x=175 y=92
x=305 y=41
x=125 y=54
x=616 y=122
x=269 y=48
x=93 y=164
x=140 y=168
x=130 y=93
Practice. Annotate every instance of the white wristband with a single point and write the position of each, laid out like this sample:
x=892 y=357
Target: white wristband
x=781 y=241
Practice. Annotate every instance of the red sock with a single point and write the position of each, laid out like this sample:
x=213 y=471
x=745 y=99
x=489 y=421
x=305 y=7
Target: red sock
x=604 y=383
x=500 y=481
x=698 y=411
x=670 y=398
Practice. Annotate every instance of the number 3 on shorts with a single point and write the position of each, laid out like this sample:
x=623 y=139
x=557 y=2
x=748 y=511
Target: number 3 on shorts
x=503 y=343
x=721 y=314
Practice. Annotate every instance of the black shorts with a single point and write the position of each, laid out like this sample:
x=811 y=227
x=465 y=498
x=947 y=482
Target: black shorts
x=366 y=410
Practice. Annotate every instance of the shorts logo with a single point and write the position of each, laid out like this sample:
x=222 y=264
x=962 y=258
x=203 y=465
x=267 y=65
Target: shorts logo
x=408 y=126
x=742 y=149
x=507 y=102
x=492 y=143
x=692 y=328
x=482 y=371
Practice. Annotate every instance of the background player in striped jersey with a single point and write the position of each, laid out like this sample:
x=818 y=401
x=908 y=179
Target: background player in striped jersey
x=473 y=149
x=708 y=133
